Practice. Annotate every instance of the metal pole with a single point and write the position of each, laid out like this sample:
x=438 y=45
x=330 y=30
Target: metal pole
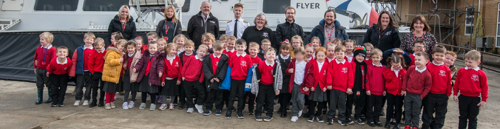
x=472 y=22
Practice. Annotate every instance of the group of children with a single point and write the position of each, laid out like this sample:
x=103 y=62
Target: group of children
x=312 y=79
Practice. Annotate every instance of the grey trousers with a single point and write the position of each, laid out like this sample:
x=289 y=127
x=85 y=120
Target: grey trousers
x=297 y=100
x=413 y=103
x=337 y=99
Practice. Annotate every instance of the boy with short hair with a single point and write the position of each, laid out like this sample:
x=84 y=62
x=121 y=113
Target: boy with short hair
x=266 y=43
x=230 y=51
x=208 y=39
x=253 y=50
x=437 y=99
x=184 y=56
x=375 y=88
x=192 y=75
x=96 y=64
x=214 y=69
x=340 y=72
x=449 y=60
x=43 y=56
x=57 y=71
x=223 y=38
x=80 y=68
x=240 y=63
x=471 y=83
x=416 y=84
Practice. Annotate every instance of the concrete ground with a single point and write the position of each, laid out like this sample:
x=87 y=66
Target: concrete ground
x=17 y=110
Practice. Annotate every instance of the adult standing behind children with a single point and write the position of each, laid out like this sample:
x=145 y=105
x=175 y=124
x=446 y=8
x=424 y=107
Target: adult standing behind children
x=169 y=27
x=329 y=29
x=123 y=23
x=259 y=32
x=236 y=26
x=201 y=23
x=384 y=35
x=288 y=29
x=419 y=32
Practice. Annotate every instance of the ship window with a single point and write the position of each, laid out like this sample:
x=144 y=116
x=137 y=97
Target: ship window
x=275 y=6
x=103 y=5
x=56 y=5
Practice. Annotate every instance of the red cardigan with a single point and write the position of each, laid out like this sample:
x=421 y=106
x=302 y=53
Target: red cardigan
x=292 y=77
x=472 y=83
x=172 y=70
x=50 y=53
x=375 y=79
x=59 y=69
x=314 y=76
x=417 y=83
x=341 y=74
x=393 y=83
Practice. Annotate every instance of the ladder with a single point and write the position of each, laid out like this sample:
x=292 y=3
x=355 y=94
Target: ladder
x=6 y=24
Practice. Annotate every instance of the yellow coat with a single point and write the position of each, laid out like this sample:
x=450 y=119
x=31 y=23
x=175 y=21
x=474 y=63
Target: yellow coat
x=112 y=65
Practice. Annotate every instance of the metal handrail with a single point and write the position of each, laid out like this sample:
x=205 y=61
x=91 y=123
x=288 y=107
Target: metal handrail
x=482 y=53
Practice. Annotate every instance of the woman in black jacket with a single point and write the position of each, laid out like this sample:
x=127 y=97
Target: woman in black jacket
x=123 y=23
x=170 y=26
x=385 y=34
x=259 y=32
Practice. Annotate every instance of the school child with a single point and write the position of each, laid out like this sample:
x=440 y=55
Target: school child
x=416 y=84
x=296 y=43
x=471 y=83
x=266 y=84
x=223 y=38
x=393 y=77
x=340 y=71
x=161 y=48
x=296 y=69
x=111 y=72
x=80 y=68
x=285 y=95
x=130 y=59
x=115 y=36
x=265 y=44
x=208 y=39
x=359 y=68
x=375 y=88
x=152 y=36
x=315 y=42
x=170 y=80
x=418 y=46
x=230 y=51
x=139 y=43
x=96 y=63
x=349 y=46
x=57 y=71
x=310 y=54
x=180 y=40
x=315 y=79
x=192 y=75
x=330 y=52
x=449 y=60
x=399 y=52
x=240 y=63
x=150 y=69
x=184 y=57
x=253 y=50
x=437 y=99
x=337 y=42
x=214 y=70
x=369 y=47
x=43 y=56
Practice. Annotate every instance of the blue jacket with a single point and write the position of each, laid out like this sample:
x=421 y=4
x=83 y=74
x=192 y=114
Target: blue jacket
x=319 y=31
x=79 y=60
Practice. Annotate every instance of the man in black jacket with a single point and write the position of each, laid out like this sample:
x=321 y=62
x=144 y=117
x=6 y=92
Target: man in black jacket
x=329 y=29
x=203 y=22
x=288 y=29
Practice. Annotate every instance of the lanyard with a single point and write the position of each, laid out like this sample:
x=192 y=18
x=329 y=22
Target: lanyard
x=123 y=26
x=166 y=28
x=44 y=53
x=415 y=38
x=329 y=33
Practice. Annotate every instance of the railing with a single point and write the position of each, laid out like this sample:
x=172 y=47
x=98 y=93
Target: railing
x=482 y=53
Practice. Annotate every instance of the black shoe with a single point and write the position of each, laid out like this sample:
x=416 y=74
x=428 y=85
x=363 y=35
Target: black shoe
x=311 y=118
x=228 y=115
x=268 y=118
x=343 y=123
x=93 y=104
x=349 y=121
x=280 y=110
x=240 y=115
x=283 y=114
x=387 y=125
x=320 y=119
x=363 y=117
x=396 y=126
x=258 y=118
x=378 y=124
x=372 y=124
x=382 y=113
x=207 y=112
x=250 y=113
x=101 y=104
x=393 y=121
x=324 y=110
x=329 y=121
x=360 y=122
x=53 y=105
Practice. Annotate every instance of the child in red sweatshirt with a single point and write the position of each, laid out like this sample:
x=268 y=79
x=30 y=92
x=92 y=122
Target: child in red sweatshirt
x=43 y=55
x=240 y=63
x=416 y=84
x=57 y=71
x=437 y=100
x=471 y=83
x=375 y=89
x=340 y=72
x=80 y=68
x=315 y=77
x=230 y=50
x=96 y=63
x=192 y=75
x=171 y=79
x=214 y=70
x=393 y=80
x=184 y=57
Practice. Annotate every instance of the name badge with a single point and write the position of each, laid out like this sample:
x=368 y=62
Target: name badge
x=358 y=93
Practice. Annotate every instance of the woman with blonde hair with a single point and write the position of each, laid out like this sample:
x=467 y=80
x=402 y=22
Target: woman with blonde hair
x=123 y=23
x=170 y=26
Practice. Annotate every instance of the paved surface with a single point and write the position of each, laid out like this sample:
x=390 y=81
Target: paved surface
x=17 y=110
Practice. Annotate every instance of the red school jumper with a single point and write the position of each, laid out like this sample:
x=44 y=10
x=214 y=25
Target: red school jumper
x=340 y=73
x=266 y=73
x=172 y=69
x=229 y=53
x=441 y=78
x=393 y=82
x=315 y=76
x=417 y=83
x=96 y=61
x=239 y=66
x=255 y=60
x=471 y=83
x=192 y=70
x=59 y=68
x=375 y=79
x=48 y=53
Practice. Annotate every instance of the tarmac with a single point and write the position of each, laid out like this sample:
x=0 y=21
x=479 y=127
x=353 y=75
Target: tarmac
x=18 y=111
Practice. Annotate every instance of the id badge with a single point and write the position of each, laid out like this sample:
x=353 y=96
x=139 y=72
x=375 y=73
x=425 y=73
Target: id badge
x=358 y=93
x=43 y=63
x=166 y=38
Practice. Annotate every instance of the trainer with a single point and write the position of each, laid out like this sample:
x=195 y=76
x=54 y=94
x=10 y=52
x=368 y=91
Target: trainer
x=288 y=29
x=329 y=29
x=203 y=22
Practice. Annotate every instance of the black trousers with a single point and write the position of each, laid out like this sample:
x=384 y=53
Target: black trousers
x=237 y=87
x=144 y=96
x=58 y=87
x=358 y=99
x=182 y=94
x=469 y=110
x=226 y=99
x=83 y=80
x=284 y=99
x=97 y=84
x=266 y=96
x=313 y=105
x=375 y=104
x=394 y=107
x=337 y=99
x=42 y=79
x=188 y=87
x=436 y=104
x=251 y=101
x=214 y=96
